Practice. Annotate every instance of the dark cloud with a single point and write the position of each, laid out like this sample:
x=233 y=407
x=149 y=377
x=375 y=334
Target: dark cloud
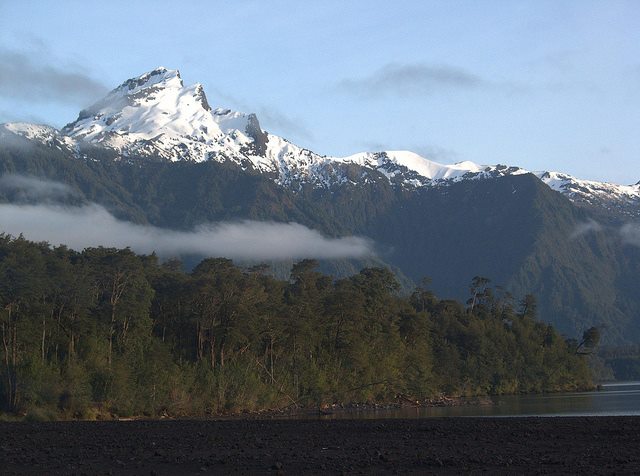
x=33 y=77
x=282 y=125
x=560 y=61
x=375 y=146
x=419 y=78
x=426 y=79
x=91 y=225
x=270 y=118
x=19 y=116
x=437 y=153
x=428 y=151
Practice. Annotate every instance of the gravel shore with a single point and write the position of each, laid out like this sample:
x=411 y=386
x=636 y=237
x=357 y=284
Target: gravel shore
x=559 y=445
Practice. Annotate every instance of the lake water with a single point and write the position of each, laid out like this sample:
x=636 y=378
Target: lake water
x=613 y=399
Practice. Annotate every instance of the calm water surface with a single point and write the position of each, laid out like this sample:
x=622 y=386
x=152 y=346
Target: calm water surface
x=613 y=399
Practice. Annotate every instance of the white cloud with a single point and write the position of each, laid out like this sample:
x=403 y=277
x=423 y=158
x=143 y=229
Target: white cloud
x=630 y=233
x=33 y=188
x=589 y=226
x=92 y=225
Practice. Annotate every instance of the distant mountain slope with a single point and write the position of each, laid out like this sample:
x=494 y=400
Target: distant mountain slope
x=515 y=231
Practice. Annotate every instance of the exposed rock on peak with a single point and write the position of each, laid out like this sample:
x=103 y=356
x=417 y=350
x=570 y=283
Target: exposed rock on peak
x=260 y=138
x=159 y=76
x=202 y=97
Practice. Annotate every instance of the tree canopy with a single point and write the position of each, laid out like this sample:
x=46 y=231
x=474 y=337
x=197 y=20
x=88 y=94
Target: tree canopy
x=108 y=330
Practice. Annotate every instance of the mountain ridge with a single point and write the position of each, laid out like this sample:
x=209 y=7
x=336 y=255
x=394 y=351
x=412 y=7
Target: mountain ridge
x=155 y=115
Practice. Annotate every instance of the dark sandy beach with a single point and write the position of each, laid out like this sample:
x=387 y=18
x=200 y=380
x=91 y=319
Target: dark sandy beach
x=585 y=445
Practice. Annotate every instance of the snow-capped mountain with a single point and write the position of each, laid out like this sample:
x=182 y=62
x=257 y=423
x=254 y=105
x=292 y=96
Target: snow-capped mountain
x=155 y=115
x=624 y=199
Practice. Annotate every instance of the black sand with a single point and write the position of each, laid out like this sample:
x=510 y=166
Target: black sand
x=584 y=445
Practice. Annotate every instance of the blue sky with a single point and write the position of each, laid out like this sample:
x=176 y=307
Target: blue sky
x=546 y=85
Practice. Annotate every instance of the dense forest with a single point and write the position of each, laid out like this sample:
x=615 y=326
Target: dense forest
x=108 y=331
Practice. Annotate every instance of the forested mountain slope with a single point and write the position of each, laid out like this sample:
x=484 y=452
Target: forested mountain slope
x=513 y=230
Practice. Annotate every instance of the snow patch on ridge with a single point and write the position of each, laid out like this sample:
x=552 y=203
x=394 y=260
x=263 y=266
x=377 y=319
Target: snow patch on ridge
x=594 y=193
x=43 y=134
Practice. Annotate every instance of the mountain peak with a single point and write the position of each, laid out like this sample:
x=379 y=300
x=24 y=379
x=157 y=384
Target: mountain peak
x=152 y=105
x=155 y=114
x=159 y=77
x=133 y=92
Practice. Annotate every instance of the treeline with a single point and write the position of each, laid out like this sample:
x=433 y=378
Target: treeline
x=109 y=331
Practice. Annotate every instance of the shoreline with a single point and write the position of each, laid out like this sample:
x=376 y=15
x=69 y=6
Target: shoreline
x=290 y=411
x=293 y=411
x=356 y=408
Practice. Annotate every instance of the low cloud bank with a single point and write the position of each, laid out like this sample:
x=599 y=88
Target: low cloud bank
x=631 y=233
x=92 y=225
x=589 y=226
x=33 y=188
